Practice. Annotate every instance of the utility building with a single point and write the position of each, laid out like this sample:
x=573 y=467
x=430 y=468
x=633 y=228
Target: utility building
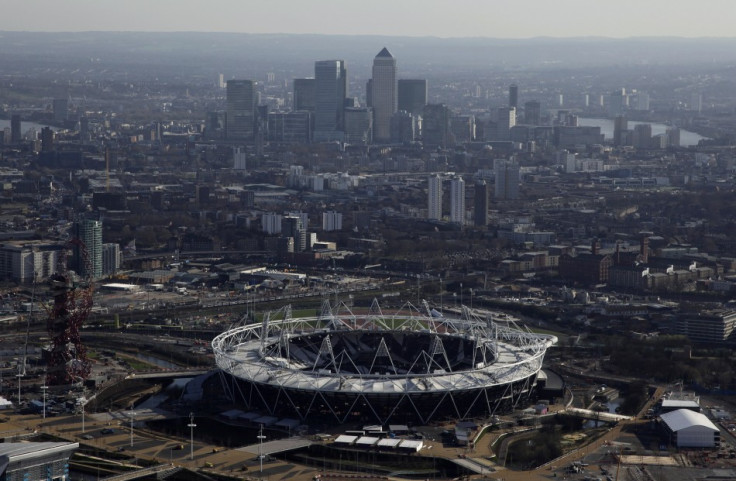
x=688 y=429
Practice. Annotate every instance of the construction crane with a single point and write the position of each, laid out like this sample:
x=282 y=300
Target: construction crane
x=67 y=361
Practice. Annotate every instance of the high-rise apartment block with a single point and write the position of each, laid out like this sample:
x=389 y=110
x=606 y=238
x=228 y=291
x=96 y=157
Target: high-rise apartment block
x=111 y=258
x=239 y=158
x=434 y=195
x=292 y=226
x=27 y=261
x=507 y=179
x=481 y=207
x=457 y=200
x=271 y=223
x=331 y=221
x=89 y=232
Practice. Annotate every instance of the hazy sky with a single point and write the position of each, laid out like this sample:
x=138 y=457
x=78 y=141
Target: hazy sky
x=442 y=18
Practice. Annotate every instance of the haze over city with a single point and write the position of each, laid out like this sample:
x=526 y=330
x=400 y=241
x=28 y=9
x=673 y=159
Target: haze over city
x=306 y=240
x=416 y=18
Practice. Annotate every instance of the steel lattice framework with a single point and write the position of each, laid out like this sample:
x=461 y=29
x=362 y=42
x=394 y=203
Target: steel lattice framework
x=67 y=361
x=412 y=365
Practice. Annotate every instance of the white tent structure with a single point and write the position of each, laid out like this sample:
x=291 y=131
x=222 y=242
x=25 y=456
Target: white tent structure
x=689 y=429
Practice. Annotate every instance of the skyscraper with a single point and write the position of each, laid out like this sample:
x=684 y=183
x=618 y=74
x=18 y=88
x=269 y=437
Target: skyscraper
x=620 y=128
x=330 y=90
x=241 y=110
x=434 y=196
x=358 y=125
x=436 y=126
x=384 y=95
x=532 y=113
x=61 y=109
x=617 y=102
x=331 y=221
x=673 y=137
x=15 y=132
x=403 y=127
x=641 y=137
x=304 y=94
x=480 y=211
x=47 y=139
x=89 y=232
x=83 y=129
x=696 y=102
x=457 y=200
x=292 y=226
x=505 y=119
x=507 y=179
x=412 y=95
x=110 y=259
x=513 y=95
x=239 y=158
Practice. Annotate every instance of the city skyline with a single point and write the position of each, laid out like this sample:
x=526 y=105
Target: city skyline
x=535 y=18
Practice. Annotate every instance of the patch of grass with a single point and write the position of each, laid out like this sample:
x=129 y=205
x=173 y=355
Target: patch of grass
x=137 y=364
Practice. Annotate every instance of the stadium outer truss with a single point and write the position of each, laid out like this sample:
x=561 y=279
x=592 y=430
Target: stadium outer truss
x=412 y=365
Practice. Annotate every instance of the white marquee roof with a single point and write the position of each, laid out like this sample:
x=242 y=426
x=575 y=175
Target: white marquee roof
x=684 y=418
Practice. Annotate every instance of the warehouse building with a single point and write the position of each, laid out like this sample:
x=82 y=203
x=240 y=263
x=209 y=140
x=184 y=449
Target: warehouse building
x=688 y=429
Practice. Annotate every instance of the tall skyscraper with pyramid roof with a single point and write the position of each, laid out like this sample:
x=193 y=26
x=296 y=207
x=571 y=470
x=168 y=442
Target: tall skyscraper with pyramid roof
x=384 y=95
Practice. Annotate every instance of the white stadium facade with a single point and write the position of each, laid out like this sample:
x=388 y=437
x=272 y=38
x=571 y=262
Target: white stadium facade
x=412 y=365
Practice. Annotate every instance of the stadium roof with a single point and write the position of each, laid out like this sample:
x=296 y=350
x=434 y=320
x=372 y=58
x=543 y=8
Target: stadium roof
x=684 y=418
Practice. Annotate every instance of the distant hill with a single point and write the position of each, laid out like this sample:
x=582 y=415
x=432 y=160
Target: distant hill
x=245 y=53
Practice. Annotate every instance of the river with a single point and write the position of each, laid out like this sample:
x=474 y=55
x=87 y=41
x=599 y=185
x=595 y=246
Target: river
x=24 y=126
x=687 y=138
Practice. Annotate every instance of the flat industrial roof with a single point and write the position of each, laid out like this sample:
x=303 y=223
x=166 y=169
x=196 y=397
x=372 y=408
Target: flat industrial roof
x=409 y=444
x=345 y=439
x=681 y=403
x=367 y=440
x=388 y=443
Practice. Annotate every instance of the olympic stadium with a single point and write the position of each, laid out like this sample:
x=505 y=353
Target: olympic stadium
x=413 y=365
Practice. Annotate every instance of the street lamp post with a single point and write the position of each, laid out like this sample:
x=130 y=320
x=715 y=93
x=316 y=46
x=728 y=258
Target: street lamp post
x=21 y=369
x=441 y=306
x=131 y=428
x=261 y=437
x=191 y=427
x=83 y=417
x=44 y=388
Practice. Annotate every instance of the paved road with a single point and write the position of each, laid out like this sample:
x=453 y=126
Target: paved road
x=244 y=463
